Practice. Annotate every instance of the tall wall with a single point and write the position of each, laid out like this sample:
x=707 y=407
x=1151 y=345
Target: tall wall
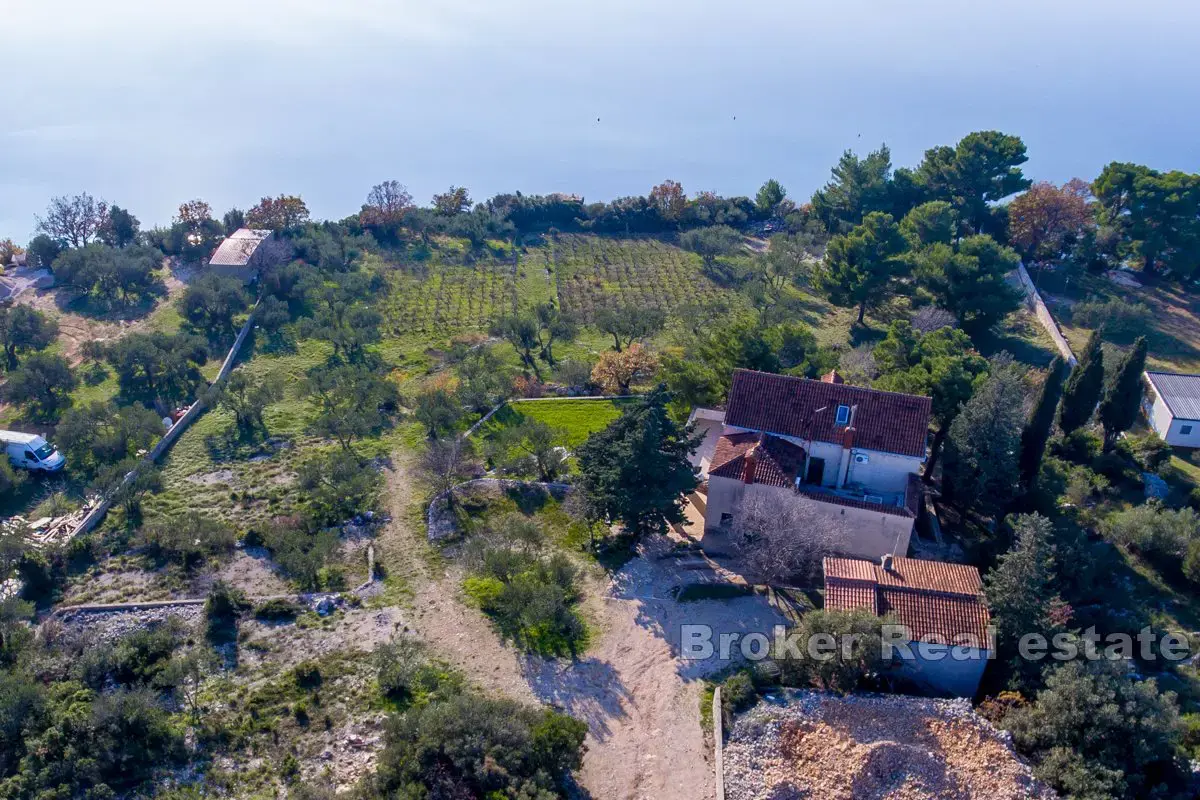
x=868 y=534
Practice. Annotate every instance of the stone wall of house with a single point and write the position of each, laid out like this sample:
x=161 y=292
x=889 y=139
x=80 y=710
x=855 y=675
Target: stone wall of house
x=869 y=534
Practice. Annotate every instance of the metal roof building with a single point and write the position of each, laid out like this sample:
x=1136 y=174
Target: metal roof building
x=1173 y=407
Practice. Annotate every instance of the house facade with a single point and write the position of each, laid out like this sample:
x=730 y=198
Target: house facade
x=242 y=255
x=855 y=452
x=945 y=633
x=1172 y=406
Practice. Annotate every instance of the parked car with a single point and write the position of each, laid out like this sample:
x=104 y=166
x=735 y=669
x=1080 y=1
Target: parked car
x=31 y=451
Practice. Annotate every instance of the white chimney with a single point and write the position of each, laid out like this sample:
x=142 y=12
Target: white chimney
x=886 y=562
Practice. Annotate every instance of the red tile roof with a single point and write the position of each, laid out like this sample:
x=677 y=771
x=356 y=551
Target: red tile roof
x=777 y=462
x=889 y=422
x=931 y=598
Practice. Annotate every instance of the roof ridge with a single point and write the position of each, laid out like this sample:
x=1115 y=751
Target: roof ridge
x=843 y=386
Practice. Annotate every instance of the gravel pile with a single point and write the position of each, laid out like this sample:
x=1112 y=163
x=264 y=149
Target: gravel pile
x=871 y=747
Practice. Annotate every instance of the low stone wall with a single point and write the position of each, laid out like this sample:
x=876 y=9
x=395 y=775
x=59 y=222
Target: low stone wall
x=1037 y=305
x=164 y=444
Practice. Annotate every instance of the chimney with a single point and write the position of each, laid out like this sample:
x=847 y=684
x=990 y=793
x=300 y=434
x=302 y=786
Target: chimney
x=886 y=562
x=749 y=463
x=832 y=377
x=848 y=438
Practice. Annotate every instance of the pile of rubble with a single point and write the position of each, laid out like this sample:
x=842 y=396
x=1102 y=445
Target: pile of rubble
x=871 y=747
x=52 y=530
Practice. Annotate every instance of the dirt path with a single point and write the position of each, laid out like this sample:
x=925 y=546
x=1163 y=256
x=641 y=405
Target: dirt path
x=640 y=699
x=456 y=632
x=641 y=702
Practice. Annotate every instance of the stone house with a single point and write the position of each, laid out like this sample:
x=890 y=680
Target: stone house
x=946 y=625
x=855 y=452
x=243 y=254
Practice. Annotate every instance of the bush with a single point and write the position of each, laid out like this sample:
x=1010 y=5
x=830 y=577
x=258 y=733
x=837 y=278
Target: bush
x=530 y=599
x=1191 y=562
x=1120 y=319
x=738 y=693
x=480 y=746
x=224 y=606
x=187 y=539
x=1150 y=451
x=307 y=675
x=277 y=610
x=397 y=665
x=1155 y=532
x=848 y=666
x=1080 y=446
x=301 y=554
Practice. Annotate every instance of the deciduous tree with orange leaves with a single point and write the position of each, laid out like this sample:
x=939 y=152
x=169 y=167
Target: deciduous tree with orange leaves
x=1043 y=221
x=669 y=199
x=617 y=371
x=278 y=213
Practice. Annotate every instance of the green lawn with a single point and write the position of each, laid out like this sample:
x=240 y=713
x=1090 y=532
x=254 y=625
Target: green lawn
x=577 y=419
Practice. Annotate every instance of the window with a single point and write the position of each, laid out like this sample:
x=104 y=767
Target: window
x=29 y=456
x=843 y=415
x=1185 y=430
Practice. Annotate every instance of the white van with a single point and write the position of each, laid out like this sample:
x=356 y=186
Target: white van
x=30 y=451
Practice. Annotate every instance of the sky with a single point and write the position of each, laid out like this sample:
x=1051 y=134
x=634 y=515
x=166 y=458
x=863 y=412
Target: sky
x=148 y=104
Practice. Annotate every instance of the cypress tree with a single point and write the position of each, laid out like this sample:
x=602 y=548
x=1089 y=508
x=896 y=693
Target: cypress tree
x=1082 y=391
x=1123 y=393
x=1037 y=430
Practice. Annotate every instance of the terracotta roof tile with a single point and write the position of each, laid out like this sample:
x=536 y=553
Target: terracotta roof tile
x=931 y=598
x=889 y=422
x=777 y=461
x=945 y=618
x=847 y=595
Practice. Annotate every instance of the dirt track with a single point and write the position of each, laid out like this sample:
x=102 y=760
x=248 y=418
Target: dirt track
x=640 y=701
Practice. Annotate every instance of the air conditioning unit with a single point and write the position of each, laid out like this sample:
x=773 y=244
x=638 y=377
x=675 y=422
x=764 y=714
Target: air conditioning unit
x=861 y=458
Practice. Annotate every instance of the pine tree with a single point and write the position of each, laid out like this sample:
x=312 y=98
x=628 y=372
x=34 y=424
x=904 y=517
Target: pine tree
x=637 y=469
x=1082 y=391
x=1123 y=394
x=1021 y=595
x=1037 y=430
x=984 y=443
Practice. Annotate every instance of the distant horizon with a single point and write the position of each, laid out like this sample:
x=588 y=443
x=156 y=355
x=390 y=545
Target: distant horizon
x=149 y=107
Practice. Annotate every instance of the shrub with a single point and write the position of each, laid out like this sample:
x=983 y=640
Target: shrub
x=1150 y=451
x=1191 y=562
x=530 y=599
x=397 y=664
x=1120 y=319
x=224 y=606
x=738 y=693
x=1154 y=532
x=480 y=746
x=860 y=631
x=301 y=554
x=277 y=610
x=187 y=539
x=307 y=675
x=1080 y=446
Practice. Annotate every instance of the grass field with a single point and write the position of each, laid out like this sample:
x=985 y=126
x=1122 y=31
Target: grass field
x=1174 y=319
x=576 y=419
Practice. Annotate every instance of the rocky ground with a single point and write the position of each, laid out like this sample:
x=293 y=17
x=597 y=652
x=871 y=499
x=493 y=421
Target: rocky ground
x=871 y=747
